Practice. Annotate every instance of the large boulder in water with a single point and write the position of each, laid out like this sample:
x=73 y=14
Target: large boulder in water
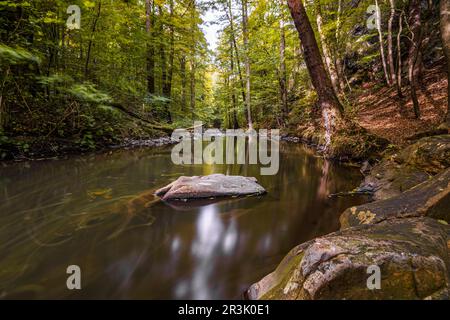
x=212 y=186
x=431 y=199
x=412 y=255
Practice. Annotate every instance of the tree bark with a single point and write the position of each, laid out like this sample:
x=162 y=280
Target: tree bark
x=183 y=83
x=445 y=34
x=150 y=49
x=233 y=95
x=162 y=52
x=380 y=36
x=169 y=79
x=238 y=60
x=326 y=51
x=167 y=68
x=313 y=60
x=246 y=62
x=391 y=42
x=414 y=49
x=283 y=77
x=193 y=63
x=331 y=108
x=94 y=28
x=399 y=56
x=338 y=51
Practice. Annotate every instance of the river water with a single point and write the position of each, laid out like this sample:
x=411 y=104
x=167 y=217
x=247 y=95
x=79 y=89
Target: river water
x=98 y=212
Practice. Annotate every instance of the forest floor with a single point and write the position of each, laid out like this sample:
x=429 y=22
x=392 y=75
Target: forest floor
x=383 y=113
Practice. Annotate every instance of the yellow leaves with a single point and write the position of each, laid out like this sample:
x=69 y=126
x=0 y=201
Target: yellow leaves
x=51 y=17
x=159 y=2
x=363 y=216
x=88 y=4
x=100 y=193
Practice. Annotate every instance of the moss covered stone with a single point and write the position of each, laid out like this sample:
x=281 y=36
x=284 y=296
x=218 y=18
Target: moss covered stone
x=431 y=198
x=411 y=253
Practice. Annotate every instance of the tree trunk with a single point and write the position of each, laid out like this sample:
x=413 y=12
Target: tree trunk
x=150 y=49
x=94 y=28
x=338 y=52
x=380 y=36
x=326 y=51
x=167 y=68
x=247 y=63
x=416 y=39
x=445 y=34
x=391 y=43
x=231 y=20
x=399 y=56
x=329 y=104
x=162 y=52
x=192 y=87
x=233 y=95
x=183 y=83
x=169 y=79
x=192 y=71
x=283 y=77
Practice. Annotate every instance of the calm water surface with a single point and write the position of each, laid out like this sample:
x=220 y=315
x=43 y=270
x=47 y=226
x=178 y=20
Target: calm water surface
x=97 y=212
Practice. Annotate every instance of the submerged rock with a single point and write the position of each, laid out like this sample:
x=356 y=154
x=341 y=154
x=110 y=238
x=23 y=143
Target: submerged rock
x=412 y=255
x=431 y=198
x=212 y=186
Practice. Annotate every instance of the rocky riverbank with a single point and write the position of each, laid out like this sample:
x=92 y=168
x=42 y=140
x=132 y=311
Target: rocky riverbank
x=350 y=143
x=405 y=233
x=57 y=148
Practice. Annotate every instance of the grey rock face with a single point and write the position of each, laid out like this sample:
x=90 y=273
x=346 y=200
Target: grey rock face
x=412 y=255
x=212 y=186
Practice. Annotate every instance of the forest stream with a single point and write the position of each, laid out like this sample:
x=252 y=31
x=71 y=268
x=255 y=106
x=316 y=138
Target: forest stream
x=129 y=245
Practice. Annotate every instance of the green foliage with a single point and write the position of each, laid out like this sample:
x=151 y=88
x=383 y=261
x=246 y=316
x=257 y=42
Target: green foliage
x=10 y=56
x=59 y=83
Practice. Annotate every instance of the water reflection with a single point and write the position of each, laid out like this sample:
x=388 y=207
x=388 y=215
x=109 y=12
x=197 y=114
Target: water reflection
x=128 y=245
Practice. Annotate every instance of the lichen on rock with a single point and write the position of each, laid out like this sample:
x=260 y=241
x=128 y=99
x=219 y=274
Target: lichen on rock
x=411 y=253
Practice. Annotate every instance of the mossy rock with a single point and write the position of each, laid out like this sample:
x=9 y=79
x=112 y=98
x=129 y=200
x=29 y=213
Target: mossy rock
x=349 y=142
x=431 y=199
x=354 y=142
x=413 y=165
x=431 y=154
x=412 y=255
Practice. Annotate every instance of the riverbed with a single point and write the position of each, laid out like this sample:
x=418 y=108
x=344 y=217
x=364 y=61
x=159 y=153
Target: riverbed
x=96 y=211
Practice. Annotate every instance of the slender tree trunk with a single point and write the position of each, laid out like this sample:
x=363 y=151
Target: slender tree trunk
x=2 y=111
x=445 y=34
x=329 y=104
x=380 y=36
x=162 y=52
x=227 y=80
x=247 y=63
x=169 y=79
x=233 y=95
x=326 y=51
x=338 y=51
x=238 y=60
x=150 y=49
x=183 y=83
x=167 y=69
x=94 y=28
x=416 y=39
x=283 y=76
x=399 y=56
x=193 y=64
x=391 y=42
